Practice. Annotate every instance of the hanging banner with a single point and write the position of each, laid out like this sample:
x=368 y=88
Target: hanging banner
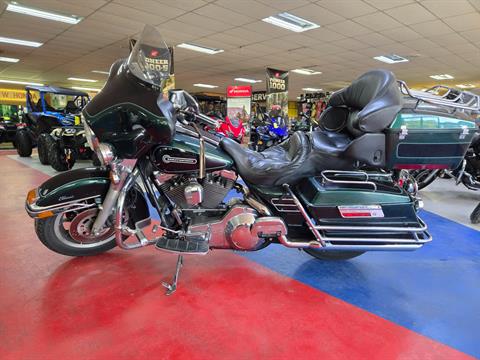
x=277 y=90
x=239 y=101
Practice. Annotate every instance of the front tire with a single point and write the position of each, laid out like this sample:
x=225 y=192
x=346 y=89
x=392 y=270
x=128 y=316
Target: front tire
x=60 y=159
x=44 y=143
x=332 y=255
x=53 y=233
x=23 y=143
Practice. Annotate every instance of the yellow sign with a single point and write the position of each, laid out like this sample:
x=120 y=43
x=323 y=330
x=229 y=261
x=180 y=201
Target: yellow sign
x=14 y=96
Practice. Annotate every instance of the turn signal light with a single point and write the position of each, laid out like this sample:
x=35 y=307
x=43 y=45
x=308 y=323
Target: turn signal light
x=32 y=196
x=45 y=214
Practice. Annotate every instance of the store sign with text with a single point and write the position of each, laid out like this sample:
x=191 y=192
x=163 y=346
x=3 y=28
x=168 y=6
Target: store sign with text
x=277 y=81
x=259 y=96
x=239 y=91
x=16 y=96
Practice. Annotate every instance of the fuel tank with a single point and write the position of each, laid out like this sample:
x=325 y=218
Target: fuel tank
x=182 y=156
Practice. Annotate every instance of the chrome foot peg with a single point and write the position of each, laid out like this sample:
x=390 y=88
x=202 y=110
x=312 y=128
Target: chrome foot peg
x=171 y=288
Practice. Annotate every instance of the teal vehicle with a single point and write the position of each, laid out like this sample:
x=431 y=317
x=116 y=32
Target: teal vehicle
x=334 y=194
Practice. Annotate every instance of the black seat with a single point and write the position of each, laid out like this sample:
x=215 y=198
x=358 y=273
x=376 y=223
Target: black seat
x=275 y=166
x=357 y=117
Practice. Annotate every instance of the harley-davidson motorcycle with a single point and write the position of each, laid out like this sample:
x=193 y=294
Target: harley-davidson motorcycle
x=313 y=192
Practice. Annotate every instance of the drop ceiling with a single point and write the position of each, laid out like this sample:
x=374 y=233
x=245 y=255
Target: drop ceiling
x=437 y=36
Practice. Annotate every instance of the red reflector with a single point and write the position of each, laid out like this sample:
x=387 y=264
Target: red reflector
x=360 y=211
x=421 y=166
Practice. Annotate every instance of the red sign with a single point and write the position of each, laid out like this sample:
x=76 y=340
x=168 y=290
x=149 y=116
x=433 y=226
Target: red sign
x=239 y=91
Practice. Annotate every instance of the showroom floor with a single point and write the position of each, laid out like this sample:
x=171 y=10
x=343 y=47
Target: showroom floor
x=277 y=303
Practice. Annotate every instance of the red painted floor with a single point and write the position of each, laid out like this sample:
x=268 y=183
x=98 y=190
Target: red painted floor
x=113 y=307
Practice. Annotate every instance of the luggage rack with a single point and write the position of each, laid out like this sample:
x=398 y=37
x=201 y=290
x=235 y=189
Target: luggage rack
x=452 y=98
x=365 y=177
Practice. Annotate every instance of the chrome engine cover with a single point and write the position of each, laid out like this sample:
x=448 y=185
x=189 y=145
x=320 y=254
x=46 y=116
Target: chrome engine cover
x=241 y=229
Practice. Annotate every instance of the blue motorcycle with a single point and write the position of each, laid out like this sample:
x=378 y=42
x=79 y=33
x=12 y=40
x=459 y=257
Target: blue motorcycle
x=269 y=131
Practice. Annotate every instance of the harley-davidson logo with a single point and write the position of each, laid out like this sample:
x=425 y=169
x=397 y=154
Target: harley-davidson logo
x=178 y=160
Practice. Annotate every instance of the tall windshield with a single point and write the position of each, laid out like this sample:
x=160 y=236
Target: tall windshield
x=150 y=59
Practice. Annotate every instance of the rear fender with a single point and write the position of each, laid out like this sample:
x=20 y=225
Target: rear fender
x=70 y=190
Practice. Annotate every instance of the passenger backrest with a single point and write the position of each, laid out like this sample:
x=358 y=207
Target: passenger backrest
x=373 y=99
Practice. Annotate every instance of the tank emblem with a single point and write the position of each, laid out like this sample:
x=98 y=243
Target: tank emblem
x=178 y=160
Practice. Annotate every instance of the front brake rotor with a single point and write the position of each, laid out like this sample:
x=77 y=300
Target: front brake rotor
x=81 y=225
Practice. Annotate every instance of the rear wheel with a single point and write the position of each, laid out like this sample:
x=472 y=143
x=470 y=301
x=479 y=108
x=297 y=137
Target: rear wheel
x=332 y=255
x=24 y=143
x=44 y=142
x=61 y=159
x=69 y=234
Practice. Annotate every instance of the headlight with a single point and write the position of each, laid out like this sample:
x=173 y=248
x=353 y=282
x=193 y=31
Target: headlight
x=90 y=135
x=105 y=153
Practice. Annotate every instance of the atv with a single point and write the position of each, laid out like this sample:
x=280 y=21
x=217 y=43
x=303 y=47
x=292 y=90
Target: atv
x=52 y=124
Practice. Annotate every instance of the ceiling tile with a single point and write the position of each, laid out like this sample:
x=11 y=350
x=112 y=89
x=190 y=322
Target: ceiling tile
x=471 y=35
x=247 y=7
x=349 y=28
x=224 y=15
x=347 y=8
x=317 y=14
x=432 y=28
x=411 y=14
x=375 y=39
x=464 y=22
x=388 y=4
x=447 y=8
x=284 y=5
x=401 y=34
x=377 y=21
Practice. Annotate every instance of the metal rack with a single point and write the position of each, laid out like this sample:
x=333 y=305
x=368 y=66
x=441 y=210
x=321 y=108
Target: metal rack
x=365 y=177
x=452 y=98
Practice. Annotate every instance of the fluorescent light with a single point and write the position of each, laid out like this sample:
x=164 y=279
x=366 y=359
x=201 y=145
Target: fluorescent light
x=441 y=77
x=18 y=82
x=8 y=59
x=251 y=81
x=306 y=72
x=311 y=89
x=85 y=88
x=290 y=22
x=100 y=72
x=15 y=7
x=465 y=86
x=390 y=59
x=199 y=48
x=80 y=79
x=20 y=42
x=206 y=86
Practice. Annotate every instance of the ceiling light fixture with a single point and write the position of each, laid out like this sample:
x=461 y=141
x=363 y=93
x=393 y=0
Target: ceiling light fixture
x=465 y=86
x=291 y=22
x=70 y=19
x=8 y=59
x=306 y=72
x=251 y=81
x=80 y=79
x=442 y=77
x=100 y=72
x=308 y=89
x=85 y=88
x=13 y=41
x=18 y=82
x=199 y=48
x=206 y=86
x=391 y=59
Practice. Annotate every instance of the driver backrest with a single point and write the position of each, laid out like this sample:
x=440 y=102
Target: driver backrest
x=373 y=100
x=71 y=107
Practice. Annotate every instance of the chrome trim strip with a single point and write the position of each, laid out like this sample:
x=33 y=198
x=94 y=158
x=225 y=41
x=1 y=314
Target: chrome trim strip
x=423 y=227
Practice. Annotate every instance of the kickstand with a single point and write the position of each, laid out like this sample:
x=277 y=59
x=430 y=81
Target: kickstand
x=171 y=288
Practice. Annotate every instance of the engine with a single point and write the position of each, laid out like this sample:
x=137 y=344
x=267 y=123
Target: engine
x=188 y=193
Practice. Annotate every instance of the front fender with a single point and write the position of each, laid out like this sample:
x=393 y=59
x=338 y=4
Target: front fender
x=72 y=189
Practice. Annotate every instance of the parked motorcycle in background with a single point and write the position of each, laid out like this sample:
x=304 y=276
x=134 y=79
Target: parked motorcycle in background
x=269 y=130
x=230 y=127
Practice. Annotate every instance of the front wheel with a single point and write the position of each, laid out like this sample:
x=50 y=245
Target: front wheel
x=332 y=255
x=44 y=142
x=69 y=234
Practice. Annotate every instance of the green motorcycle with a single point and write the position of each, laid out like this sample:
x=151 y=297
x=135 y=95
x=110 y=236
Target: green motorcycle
x=326 y=192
